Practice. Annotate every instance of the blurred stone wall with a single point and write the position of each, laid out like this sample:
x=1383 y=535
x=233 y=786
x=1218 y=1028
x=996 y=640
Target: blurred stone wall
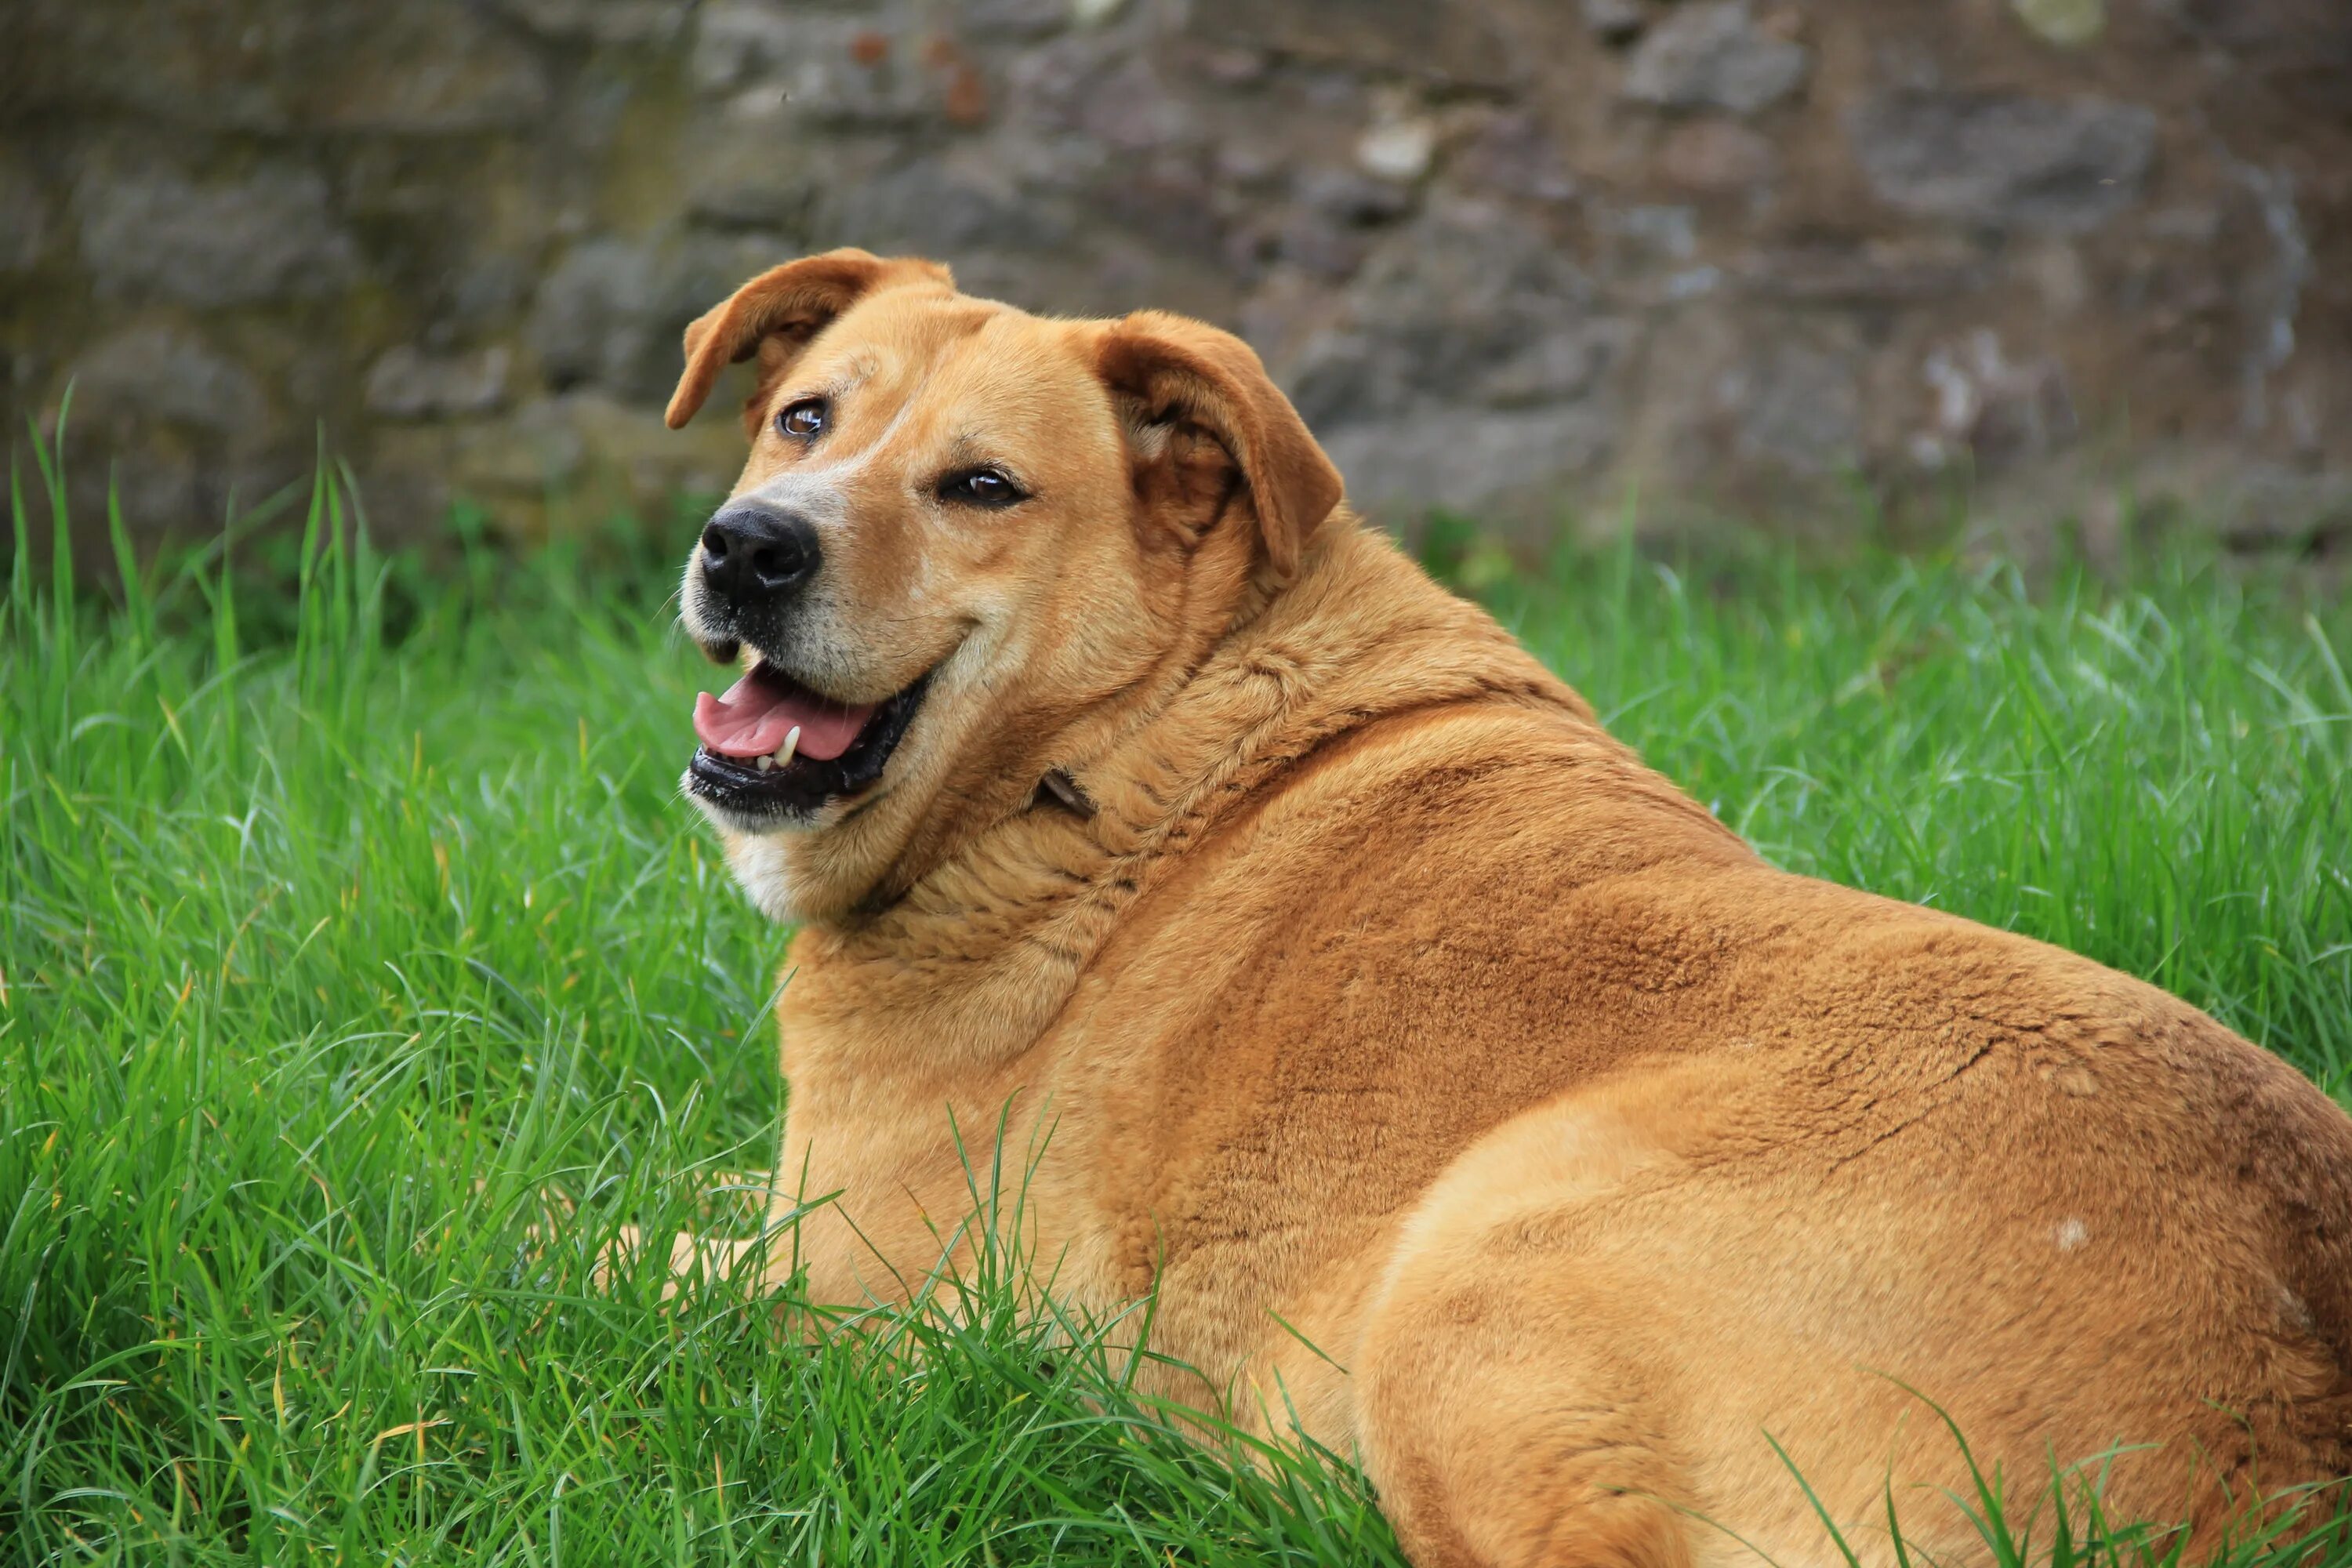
x=1507 y=255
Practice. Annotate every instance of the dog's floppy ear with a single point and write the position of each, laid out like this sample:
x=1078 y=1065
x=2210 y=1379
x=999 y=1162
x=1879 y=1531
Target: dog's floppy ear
x=775 y=314
x=1170 y=371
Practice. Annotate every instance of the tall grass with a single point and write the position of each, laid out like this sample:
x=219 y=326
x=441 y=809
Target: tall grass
x=360 y=977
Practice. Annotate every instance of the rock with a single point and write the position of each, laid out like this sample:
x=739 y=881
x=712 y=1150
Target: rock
x=771 y=199
x=602 y=452
x=161 y=374
x=740 y=178
x=1714 y=56
x=487 y=292
x=268 y=65
x=1167 y=207
x=24 y=221
x=588 y=324
x=540 y=447
x=1035 y=18
x=2262 y=506
x=828 y=68
x=1515 y=154
x=602 y=21
x=614 y=311
x=1796 y=405
x=2300 y=36
x=1308 y=239
x=2066 y=23
x=1015 y=19
x=1329 y=221
x=1989 y=405
x=1716 y=157
x=404 y=474
x=1050 y=91
x=1668 y=232
x=202 y=66
x=1468 y=315
x=939 y=208
x=1397 y=149
x=151 y=233
x=1326 y=226
x=2060 y=165
x=427 y=67
x=1615 y=21
x=1349 y=198
x=1556 y=366
x=408 y=384
x=1469 y=460
x=1879 y=276
x=2056 y=270
x=1130 y=108
x=1453 y=43
x=737 y=41
x=1234 y=68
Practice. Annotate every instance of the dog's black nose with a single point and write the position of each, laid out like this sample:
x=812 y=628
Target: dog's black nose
x=751 y=553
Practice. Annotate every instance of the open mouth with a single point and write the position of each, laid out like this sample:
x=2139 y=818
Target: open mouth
x=771 y=748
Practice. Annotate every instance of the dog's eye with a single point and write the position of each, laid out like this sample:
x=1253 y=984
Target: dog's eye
x=981 y=486
x=803 y=420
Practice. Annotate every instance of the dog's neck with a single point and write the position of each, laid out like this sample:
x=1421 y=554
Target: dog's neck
x=986 y=945
x=1362 y=634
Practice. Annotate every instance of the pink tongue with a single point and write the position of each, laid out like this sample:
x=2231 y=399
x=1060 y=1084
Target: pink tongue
x=759 y=711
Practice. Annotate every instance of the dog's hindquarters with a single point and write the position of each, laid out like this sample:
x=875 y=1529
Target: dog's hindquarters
x=1606 y=1338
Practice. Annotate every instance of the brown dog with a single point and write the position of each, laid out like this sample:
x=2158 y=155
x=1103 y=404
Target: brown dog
x=1455 y=1081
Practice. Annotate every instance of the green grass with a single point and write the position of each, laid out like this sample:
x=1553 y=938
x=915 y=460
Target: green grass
x=349 y=928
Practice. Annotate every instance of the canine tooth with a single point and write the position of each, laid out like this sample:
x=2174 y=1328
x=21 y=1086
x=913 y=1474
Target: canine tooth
x=767 y=763
x=792 y=743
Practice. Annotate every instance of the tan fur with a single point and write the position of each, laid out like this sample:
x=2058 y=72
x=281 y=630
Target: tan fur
x=1385 y=996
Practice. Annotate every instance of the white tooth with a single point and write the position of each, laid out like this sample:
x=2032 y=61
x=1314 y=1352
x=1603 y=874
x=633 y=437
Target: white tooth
x=792 y=743
x=767 y=763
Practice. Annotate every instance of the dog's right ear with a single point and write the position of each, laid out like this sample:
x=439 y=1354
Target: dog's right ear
x=775 y=315
x=1174 y=378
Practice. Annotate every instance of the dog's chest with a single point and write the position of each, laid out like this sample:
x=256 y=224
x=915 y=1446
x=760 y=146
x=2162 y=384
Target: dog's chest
x=927 y=1116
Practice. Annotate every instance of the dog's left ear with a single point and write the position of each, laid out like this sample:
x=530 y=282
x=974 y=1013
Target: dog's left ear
x=775 y=315
x=1172 y=372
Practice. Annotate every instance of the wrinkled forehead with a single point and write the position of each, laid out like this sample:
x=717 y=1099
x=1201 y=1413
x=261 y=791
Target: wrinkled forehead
x=918 y=369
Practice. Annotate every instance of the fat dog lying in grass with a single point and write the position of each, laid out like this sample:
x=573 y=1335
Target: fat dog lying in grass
x=1465 y=1092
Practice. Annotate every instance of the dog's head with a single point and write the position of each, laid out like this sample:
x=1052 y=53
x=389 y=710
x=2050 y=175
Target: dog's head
x=967 y=538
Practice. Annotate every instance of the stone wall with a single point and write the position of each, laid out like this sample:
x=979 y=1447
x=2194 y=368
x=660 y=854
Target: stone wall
x=1508 y=254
